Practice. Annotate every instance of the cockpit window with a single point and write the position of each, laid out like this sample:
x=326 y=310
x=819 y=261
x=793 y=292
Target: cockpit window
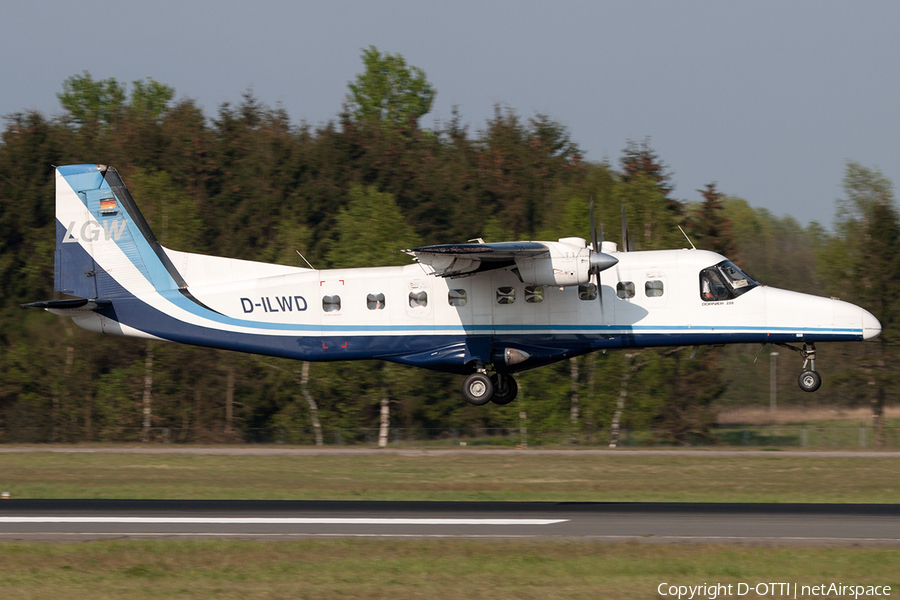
x=725 y=281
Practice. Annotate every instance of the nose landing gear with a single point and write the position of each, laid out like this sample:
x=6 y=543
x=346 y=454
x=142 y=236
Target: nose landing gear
x=809 y=379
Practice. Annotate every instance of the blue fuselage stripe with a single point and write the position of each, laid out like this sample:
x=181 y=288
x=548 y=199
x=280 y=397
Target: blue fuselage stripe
x=343 y=343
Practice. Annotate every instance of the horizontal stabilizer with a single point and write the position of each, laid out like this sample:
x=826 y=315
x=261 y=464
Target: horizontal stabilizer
x=71 y=304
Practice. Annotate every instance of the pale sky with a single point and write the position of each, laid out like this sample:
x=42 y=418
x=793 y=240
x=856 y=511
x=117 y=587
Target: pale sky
x=766 y=98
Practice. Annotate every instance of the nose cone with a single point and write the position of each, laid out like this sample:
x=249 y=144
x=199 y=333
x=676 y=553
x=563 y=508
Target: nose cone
x=871 y=326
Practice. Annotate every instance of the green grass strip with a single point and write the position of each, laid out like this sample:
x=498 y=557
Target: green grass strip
x=412 y=569
x=470 y=476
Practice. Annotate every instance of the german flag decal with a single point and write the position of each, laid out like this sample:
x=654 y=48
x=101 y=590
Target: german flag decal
x=108 y=207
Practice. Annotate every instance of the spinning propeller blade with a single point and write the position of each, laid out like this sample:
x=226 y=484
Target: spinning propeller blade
x=599 y=261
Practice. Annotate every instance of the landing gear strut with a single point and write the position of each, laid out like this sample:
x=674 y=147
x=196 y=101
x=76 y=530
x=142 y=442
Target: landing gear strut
x=481 y=388
x=809 y=379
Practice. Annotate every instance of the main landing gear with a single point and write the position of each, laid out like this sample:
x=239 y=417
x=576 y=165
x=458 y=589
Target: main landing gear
x=481 y=388
x=809 y=379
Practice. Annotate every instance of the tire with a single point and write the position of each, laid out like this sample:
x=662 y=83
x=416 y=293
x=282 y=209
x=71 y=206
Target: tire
x=505 y=389
x=809 y=381
x=478 y=389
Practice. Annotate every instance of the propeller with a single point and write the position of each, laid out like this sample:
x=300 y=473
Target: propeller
x=599 y=260
x=626 y=240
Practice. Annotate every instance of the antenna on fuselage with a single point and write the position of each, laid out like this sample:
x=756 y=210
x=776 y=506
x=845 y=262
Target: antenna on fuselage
x=304 y=260
x=693 y=247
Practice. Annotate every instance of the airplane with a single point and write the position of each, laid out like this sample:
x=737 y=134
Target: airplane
x=484 y=310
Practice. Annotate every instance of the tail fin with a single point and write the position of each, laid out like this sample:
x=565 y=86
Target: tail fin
x=104 y=247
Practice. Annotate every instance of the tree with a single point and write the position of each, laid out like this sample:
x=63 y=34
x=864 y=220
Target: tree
x=640 y=160
x=89 y=101
x=865 y=260
x=711 y=228
x=151 y=98
x=389 y=92
x=371 y=232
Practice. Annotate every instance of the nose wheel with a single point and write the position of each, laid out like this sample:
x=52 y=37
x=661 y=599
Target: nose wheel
x=809 y=380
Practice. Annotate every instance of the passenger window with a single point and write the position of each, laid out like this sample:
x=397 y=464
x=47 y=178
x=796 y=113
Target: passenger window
x=587 y=292
x=653 y=288
x=418 y=299
x=331 y=303
x=534 y=294
x=375 y=301
x=625 y=290
x=457 y=297
x=506 y=295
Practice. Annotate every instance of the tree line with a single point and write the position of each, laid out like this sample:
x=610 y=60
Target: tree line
x=247 y=183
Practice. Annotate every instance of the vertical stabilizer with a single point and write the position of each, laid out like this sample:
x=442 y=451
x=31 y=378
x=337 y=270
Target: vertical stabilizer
x=104 y=247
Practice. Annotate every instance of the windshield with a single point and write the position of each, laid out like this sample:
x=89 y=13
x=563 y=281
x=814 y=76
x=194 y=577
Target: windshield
x=724 y=281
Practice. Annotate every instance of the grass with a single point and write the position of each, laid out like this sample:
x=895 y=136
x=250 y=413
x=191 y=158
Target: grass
x=813 y=417
x=466 y=476
x=411 y=569
x=429 y=568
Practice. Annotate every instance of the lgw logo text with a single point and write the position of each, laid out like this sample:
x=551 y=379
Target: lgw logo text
x=90 y=231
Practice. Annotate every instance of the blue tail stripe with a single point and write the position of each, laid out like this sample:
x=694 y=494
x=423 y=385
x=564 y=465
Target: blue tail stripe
x=133 y=245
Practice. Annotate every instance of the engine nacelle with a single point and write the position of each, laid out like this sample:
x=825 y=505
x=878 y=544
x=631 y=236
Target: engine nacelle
x=565 y=265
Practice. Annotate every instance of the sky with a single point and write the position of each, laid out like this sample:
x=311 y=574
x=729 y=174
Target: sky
x=768 y=99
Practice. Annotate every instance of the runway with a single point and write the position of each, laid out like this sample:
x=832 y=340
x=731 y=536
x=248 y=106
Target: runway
x=837 y=524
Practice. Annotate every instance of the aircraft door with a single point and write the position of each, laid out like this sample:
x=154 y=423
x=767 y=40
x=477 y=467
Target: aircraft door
x=606 y=310
x=482 y=302
x=507 y=300
x=457 y=304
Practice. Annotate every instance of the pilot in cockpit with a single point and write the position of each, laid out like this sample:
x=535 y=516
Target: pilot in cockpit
x=706 y=289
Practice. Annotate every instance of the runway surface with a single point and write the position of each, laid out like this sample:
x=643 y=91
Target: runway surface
x=839 y=524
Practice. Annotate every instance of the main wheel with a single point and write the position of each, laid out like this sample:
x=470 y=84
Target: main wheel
x=478 y=389
x=809 y=381
x=505 y=389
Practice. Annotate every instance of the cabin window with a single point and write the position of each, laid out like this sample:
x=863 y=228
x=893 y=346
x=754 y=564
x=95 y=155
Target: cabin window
x=506 y=295
x=418 y=299
x=724 y=281
x=587 y=292
x=331 y=303
x=457 y=297
x=653 y=288
x=534 y=294
x=375 y=301
x=625 y=289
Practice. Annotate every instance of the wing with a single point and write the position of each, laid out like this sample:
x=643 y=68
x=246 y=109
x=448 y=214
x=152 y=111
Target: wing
x=449 y=260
